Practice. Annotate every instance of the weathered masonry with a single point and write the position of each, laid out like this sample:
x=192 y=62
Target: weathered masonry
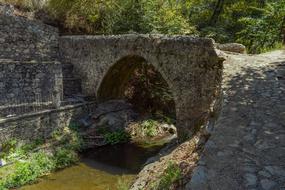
x=31 y=79
x=189 y=65
x=41 y=72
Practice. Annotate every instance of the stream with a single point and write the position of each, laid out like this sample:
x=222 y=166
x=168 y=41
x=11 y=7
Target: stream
x=99 y=169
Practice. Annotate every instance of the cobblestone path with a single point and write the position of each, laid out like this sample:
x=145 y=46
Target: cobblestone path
x=247 y=147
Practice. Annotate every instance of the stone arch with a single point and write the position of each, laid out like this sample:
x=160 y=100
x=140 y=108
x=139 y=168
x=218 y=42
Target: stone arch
x=192 y=68
x=114 y=81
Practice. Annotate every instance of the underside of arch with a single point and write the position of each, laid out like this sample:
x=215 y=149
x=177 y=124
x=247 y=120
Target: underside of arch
x=141 y=84
x=113 y=84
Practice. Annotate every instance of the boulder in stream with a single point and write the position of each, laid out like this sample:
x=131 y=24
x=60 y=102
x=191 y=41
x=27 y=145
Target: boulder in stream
x=114 y=115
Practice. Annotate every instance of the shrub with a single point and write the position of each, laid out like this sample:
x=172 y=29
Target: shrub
x=150 y=127
x=123 y=183
x=116 y=137
x=64 y=157
x=122 y=16
x=34 y=165
x=27 y=172
x=265 y=32
x=171 y=175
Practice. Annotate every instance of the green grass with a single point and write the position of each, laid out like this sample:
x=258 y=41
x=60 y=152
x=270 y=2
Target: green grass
x=124 y=183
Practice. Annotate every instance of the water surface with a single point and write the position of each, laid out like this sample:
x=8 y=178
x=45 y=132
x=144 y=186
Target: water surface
x=99 y=169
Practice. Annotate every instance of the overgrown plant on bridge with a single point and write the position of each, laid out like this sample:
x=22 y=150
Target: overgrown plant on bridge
x=171 y=175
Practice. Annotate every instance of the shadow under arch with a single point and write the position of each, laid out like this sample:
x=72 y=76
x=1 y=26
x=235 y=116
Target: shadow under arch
x=115 y=81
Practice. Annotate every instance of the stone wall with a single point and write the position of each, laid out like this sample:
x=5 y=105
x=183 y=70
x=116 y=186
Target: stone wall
x=30 y=76
x=42 y=124
x=29 y=83
x=189 y=65
x=24 y=39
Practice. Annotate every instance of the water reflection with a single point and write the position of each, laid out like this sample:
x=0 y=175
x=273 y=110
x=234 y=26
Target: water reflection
x=99 y=169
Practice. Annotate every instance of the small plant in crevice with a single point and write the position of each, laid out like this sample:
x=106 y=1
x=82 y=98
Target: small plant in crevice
x=149 y=127
x=171 y=175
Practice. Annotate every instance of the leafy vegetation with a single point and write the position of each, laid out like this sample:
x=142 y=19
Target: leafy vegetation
x=116 y=137
x=263 y=33
x=121 y=16
x=27 y=171
x=36 y=165
x=259 y=24
x=149 y=127
x=123 y=183
x=171 y=175
x=30 y=161
x=148 y=90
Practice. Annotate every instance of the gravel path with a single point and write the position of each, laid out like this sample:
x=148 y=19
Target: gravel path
x=247 y=147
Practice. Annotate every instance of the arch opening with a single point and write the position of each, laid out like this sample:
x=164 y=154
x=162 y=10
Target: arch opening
x=133 y=79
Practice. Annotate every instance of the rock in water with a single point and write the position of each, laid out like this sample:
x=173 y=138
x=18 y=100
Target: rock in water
x=114 y=114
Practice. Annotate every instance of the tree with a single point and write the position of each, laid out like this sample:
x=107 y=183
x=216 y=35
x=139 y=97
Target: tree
x=217 y=11
x=283 y=30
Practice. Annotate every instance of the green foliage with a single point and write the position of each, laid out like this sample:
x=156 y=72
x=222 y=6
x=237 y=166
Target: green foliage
x=36 y=165
x=26 y=172
x=123 y=183
x=23 y=174
x=159 y=16
x=149 y=127
x=31 y=164
x=74 y=126
x=263 y=33
x=148 y=90
x=171 y=175
x=117 y=136
x=8 y=147
x=64 y=157
x=42 y=162
x=122 y=16
x=257 y=24
x=253 y=23
x=12 y=150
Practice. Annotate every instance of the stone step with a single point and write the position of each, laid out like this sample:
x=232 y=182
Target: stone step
x=71 y=86
x=67 y=70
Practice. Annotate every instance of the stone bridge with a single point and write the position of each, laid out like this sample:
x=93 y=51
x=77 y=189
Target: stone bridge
x=32 y=76
x=189 y=65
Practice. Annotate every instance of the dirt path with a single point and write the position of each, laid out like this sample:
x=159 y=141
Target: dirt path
x=247 y=147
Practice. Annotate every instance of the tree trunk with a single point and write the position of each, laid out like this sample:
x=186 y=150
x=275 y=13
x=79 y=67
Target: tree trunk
x=283 y=30
x=217 y=11
x=262 y=3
